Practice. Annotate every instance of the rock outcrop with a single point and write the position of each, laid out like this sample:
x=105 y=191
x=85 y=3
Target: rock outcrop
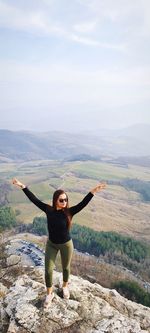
x=90 y=309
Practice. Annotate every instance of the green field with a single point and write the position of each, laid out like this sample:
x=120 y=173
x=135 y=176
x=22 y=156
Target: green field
x=114 y=209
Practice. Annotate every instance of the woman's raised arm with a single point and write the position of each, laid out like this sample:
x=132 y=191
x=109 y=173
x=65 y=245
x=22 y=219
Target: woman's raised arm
x=43 y=206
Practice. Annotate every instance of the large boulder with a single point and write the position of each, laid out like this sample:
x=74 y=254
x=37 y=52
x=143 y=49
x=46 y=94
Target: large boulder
x=90 y=309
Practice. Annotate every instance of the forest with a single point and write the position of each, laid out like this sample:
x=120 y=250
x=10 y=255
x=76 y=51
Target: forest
x=132 y=291
x=113 y=246
x=140 y=186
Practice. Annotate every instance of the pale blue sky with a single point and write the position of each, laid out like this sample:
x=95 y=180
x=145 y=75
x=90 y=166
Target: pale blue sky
x=74 y=64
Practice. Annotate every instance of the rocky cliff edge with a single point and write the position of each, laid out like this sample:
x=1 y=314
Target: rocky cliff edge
x=90 y=309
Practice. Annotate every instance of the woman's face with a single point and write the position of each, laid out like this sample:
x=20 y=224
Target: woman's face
x=61 y=201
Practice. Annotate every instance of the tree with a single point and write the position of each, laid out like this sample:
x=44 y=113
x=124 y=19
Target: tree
x=7 y=218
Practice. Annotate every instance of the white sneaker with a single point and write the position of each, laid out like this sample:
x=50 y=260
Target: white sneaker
x=48 y=300
x=66 y=293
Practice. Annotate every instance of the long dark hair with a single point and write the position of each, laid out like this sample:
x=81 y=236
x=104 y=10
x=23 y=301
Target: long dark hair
x=56 y=195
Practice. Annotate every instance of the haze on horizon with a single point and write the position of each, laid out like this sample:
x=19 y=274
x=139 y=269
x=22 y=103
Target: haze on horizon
x=74 y=65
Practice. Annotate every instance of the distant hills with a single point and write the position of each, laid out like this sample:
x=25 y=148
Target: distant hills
x=133 y=141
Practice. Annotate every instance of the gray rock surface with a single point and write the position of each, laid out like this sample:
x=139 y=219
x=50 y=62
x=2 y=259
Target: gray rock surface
x=91 y=308
x=13 y=260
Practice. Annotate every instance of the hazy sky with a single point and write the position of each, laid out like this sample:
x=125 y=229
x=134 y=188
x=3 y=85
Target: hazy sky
x=74 y=64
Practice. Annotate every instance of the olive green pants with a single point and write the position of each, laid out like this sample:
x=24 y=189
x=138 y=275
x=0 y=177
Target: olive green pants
x=66 y=251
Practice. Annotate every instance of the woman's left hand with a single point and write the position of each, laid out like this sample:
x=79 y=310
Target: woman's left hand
x=98 y=188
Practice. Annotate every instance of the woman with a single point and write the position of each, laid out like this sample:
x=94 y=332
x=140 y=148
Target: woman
x=59 y=217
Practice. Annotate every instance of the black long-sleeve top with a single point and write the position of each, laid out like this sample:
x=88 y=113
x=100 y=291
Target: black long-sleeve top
x=57 y=220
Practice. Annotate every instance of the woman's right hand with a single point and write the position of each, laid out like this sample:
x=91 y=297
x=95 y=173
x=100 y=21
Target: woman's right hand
x=16 y=182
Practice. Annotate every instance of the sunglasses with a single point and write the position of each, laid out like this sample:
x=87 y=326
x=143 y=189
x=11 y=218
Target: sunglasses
x=63 y=200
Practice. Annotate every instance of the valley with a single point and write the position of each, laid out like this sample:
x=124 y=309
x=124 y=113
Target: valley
x=114 y=209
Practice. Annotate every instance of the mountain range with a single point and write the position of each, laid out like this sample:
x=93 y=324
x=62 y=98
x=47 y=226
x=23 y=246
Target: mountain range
x=29 y=145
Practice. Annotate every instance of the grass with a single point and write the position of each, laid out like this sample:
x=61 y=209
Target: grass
x=100 y=171
x=114 y=209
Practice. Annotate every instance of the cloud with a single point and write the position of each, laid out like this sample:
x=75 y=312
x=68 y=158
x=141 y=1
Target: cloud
x=125 y=12
x=40 y=22
x=85 y=55
x=91 y=42
x=31 y=21
x=85 y=27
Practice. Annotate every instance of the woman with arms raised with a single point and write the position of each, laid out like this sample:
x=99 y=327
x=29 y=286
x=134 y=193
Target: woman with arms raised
x=59 y=216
